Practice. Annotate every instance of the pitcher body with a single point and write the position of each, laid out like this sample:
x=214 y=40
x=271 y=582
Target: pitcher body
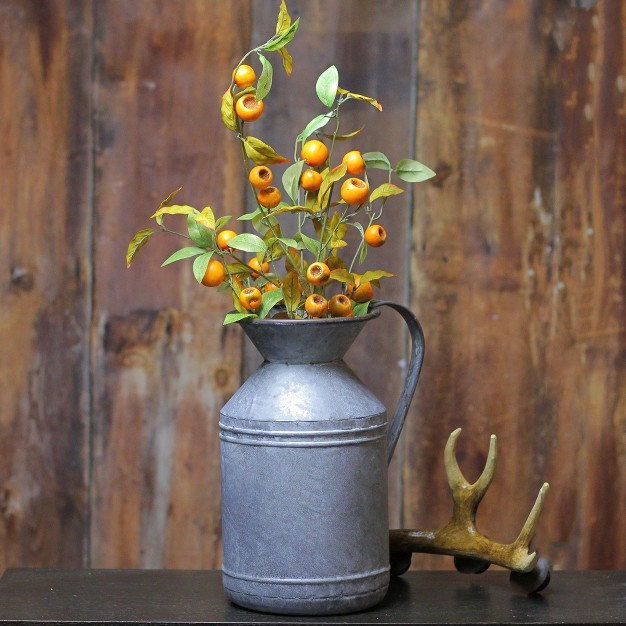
x=304 y=453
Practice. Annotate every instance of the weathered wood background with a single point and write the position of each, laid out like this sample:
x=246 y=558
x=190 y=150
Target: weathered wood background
x=512 y=257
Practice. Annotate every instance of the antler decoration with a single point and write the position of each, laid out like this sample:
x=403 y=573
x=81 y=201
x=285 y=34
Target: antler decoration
x=460 y=537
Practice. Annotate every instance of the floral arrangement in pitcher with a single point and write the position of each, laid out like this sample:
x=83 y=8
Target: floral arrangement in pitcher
x=291 y=274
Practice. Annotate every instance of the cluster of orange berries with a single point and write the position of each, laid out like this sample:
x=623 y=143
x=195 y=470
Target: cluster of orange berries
x=316 y=305
x=354 y=191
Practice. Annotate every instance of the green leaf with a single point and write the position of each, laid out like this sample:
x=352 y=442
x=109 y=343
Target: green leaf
x=247 y=242
x=290 y=243
x=140 y=239
x=385 y=190
x=291 y=179
x=250 y=216
x=326 y=86
x=264 y=84
x=238 y=317
x=183 y=253
x=206 y=218
x=363 y=253
x=312 y=245
x=200 y=235
x=269 y=300
x=222 y=221
x=368 y=277
x=413 y=171
x=361 y=309
x=315 y=124
x=282 y=39
x=261 y=153
x=284 y=208
x=376 y=160
x=229 y=117
x=200 y=264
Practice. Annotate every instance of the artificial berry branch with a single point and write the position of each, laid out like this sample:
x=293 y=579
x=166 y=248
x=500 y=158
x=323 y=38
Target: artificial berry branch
x=260 y=286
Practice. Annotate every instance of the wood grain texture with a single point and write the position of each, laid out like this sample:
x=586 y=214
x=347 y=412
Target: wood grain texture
x=513 y=259
x=44 y=259
x=493 y=277
x=163 y=364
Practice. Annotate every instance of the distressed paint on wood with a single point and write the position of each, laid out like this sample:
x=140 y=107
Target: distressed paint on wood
x=490 y=273
x=45 y=60
x=163 y=364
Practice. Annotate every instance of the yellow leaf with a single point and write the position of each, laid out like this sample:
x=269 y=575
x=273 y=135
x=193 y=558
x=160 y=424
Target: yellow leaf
x=228 y=110
x=287 y=60
x=206 y=218
x=140 y=239
x=261 y=153
x=284 y=19
x=174 y=209
x=358 y=96
x=291 y=291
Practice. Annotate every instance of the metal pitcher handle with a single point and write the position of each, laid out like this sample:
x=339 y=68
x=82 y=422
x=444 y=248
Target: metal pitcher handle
x=412 y=376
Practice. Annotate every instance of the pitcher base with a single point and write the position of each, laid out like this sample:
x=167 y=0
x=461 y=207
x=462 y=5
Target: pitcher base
x=305 y=598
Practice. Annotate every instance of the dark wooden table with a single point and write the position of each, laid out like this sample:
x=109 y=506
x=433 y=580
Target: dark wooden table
x=150 y=597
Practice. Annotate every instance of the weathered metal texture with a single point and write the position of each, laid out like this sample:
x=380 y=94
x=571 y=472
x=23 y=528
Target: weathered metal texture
x=304 y=449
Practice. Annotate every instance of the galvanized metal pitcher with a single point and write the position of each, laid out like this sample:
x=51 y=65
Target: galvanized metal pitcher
x=305 y=447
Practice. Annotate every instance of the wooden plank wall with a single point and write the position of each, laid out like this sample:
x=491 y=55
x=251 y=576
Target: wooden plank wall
x=513 y=258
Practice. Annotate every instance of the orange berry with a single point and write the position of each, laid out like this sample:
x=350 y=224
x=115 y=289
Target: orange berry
x=354 y=162
x=260 y=176
x=256 y=266
x=214 y=274
x=361 y=293
x=250 y=298
x=314 y=152
x=244 y=76
x=318 y=273
x=354 y=191
x=375 y=236
x=270 y=287
x=269 y=197
x=310 y=180
x=248 y=108
x=316 y=305
x=340 y=306
x=223 y=237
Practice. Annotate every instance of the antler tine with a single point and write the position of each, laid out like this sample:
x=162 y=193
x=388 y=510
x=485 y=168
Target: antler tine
x=530 y=525
x=484 y=480
x=456 y=479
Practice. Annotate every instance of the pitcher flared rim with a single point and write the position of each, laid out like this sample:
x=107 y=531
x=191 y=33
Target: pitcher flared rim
x=305 y=341
x=318 y=320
